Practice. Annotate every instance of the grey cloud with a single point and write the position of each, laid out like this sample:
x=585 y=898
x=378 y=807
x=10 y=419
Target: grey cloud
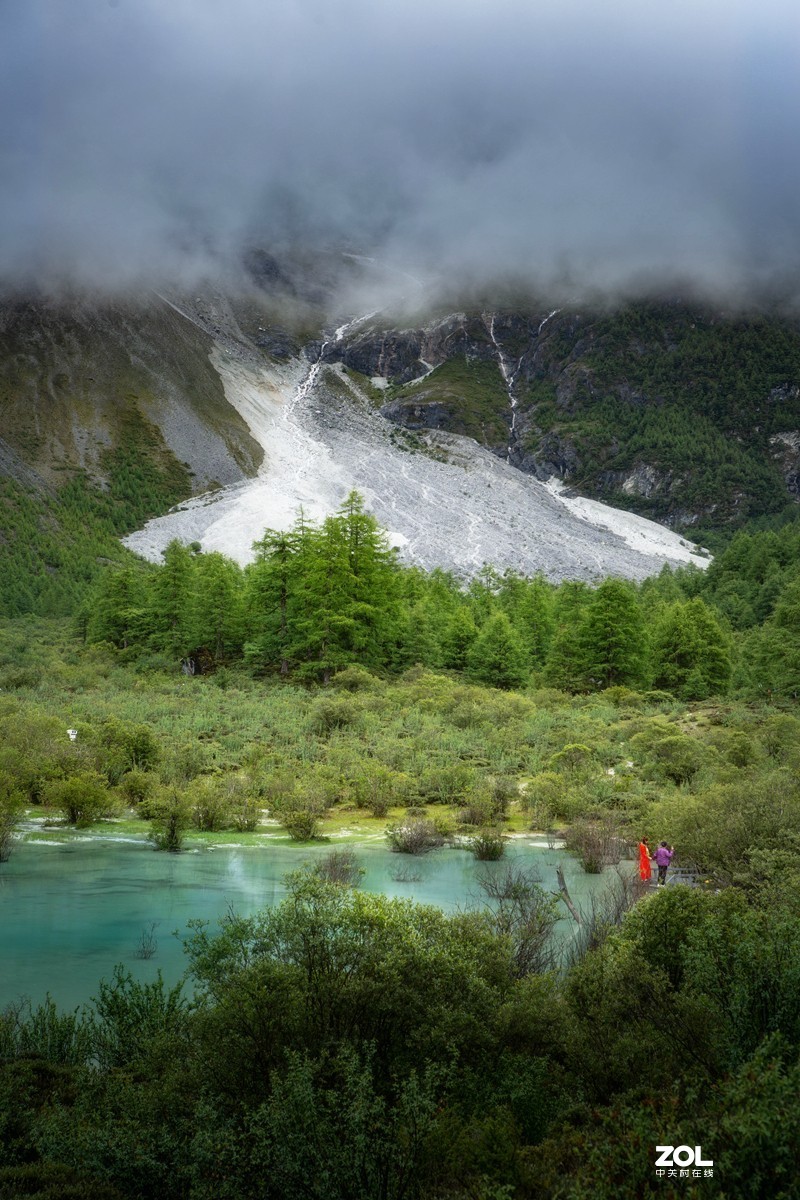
x=572 y=144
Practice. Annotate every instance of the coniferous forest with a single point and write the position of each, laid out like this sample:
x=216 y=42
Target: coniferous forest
x=344 y=1044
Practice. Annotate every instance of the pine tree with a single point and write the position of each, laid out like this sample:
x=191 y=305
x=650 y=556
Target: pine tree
x=566 y=665
x=273 y=595
x=168 y=616
x=691 y=650
x=322 y=598
x=612 y=636
x=458 y=637
x=773 y=651
x=496 y=656
x=115 y=611
x=534 y=620
x=418 y=640
x=215 y=605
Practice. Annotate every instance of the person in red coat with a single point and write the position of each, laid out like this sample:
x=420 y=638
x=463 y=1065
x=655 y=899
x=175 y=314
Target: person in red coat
x=645 y=870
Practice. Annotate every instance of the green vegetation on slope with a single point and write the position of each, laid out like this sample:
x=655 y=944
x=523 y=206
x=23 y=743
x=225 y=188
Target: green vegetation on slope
x=318 y=599
x=54 y=544
x=345 y=1044
x=694 y=396
x=469 y=396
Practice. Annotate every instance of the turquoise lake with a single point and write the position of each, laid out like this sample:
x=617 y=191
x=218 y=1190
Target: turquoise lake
x=71 y=910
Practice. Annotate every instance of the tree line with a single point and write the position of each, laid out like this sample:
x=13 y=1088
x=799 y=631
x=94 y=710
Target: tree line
x=321 y=597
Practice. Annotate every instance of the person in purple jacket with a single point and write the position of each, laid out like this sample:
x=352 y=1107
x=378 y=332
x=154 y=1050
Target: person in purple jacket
x=663 y=857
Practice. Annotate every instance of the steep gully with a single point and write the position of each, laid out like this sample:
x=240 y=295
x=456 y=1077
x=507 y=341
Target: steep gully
x=509 y=377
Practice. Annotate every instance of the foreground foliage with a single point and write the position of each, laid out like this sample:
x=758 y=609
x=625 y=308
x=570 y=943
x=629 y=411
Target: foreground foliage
x=345 y=1044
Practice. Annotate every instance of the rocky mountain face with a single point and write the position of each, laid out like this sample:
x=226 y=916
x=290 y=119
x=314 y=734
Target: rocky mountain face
x=111 y=412
x=687 y=416
x=80 y=379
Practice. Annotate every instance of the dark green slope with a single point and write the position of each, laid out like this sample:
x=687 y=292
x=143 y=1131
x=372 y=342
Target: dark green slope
x=686 y=416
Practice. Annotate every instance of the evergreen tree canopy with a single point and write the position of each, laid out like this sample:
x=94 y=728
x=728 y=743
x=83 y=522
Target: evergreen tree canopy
x=496 y=656
x=612 y=636
x=691 y=651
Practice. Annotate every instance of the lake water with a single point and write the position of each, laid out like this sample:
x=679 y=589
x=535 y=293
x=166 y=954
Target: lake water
x=69 y=911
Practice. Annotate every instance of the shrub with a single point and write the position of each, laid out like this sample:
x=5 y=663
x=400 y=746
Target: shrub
x=186 y=763
x=596 y=843
x=329 y=713
x=572 y=759
x=275 y=789
x=446 y=783
x=245 y=814
x=11 y=802
x=210 y=807
x=621 y=696
x=504 y=789
x=127 y=746
x=137 y=785
x=488 y=844
x=378 y=788
x=83 y=799
x=171 y=814
x=543 y=796
x=679 y=757
x=415 y=835
x=20 y=678
x=340 y=866
x=302 y=824
x=522 y=911
x=356 y=679
x=478 y=809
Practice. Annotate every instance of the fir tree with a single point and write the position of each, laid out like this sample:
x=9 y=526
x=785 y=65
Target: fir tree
x=692 y=655
x=496 y=656
x=215 y=606
x=458 y=638
x=612 y=636
x=168 y=614
x=115 y=611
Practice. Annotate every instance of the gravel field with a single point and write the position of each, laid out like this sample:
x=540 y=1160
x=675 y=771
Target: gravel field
x=446 y=501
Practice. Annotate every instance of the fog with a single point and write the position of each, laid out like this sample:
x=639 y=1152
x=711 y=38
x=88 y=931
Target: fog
x=561 y=145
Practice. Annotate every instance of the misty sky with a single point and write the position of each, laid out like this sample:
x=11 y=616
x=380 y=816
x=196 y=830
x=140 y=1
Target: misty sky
x=572 y=144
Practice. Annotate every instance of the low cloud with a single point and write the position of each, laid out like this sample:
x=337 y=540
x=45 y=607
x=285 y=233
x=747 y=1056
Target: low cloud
x=563 y=146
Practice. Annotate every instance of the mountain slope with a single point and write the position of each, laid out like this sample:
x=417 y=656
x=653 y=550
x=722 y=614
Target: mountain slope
x=446 y=501
x=684 y=415
x=109 y=414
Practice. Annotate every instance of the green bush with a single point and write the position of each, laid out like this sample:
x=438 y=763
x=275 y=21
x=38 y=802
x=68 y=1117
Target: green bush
x=11 y=808
x=677 y=757
x=488 y=844
x=83 y=799
x=171 y=814
x=414 y=835
x=330 y=713
x=137 y=785
x=210 y=804
x=245 y=813
x=302 y=824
